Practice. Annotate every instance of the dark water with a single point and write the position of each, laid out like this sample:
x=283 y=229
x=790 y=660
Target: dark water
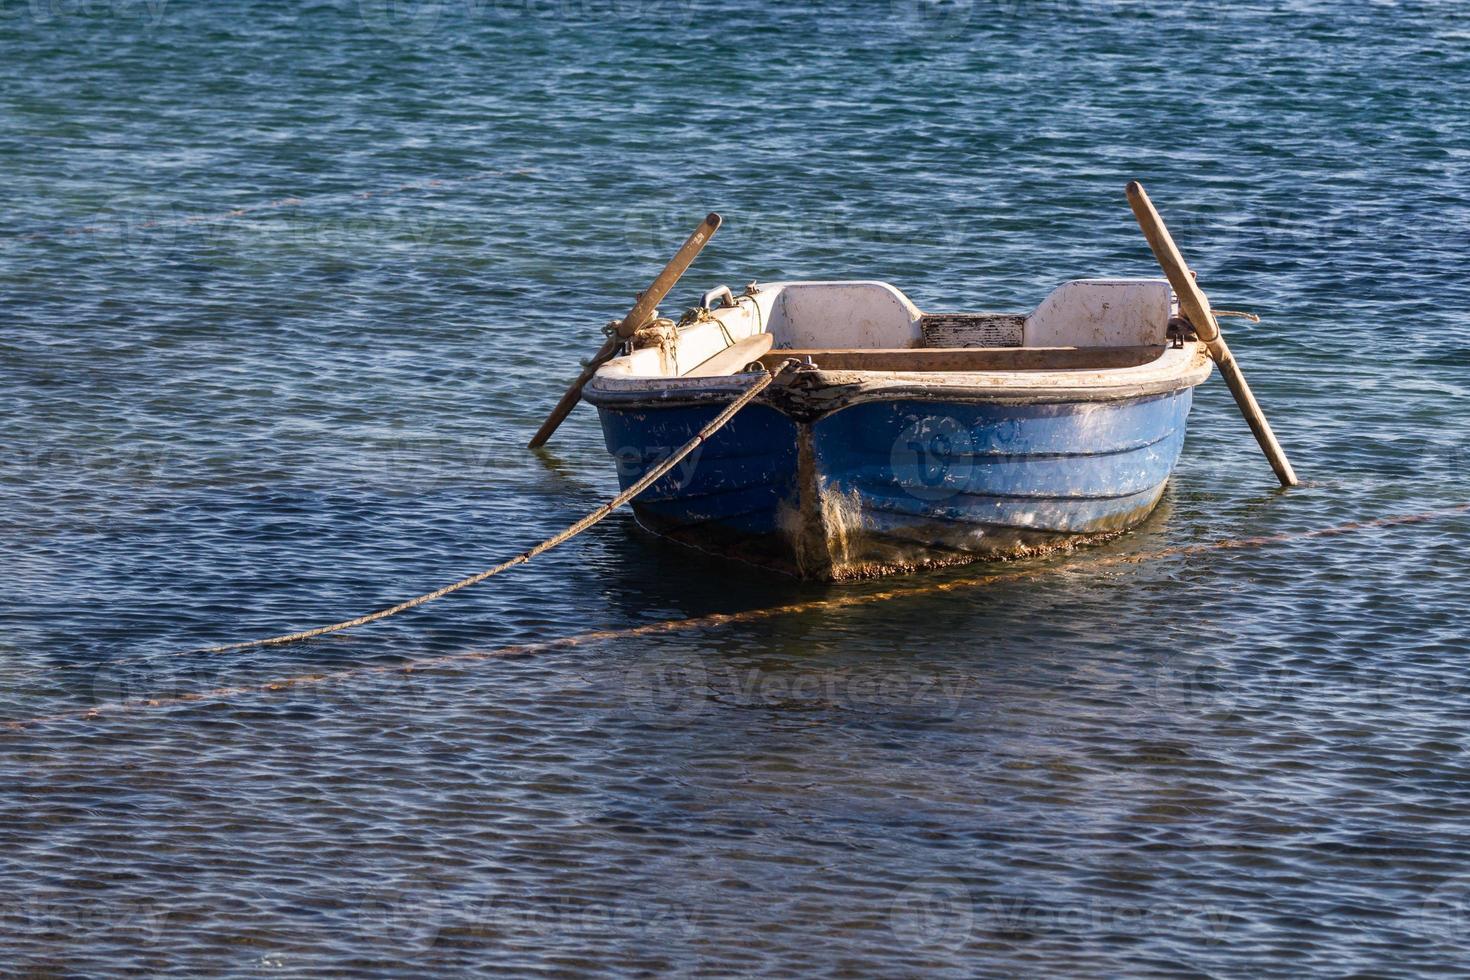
x=285 y=287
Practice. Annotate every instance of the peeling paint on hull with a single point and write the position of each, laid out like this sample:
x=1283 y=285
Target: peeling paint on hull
x=888 y=486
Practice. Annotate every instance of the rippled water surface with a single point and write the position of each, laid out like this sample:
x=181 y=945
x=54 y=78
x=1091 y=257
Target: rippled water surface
x=284 y=288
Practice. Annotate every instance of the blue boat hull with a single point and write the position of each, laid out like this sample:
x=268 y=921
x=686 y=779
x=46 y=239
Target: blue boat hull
x=896 y=484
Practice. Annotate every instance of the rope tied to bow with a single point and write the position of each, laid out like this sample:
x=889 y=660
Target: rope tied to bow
x=703 y=314
x=660 y=332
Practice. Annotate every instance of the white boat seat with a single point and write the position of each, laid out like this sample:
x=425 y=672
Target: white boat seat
x=1102 y=313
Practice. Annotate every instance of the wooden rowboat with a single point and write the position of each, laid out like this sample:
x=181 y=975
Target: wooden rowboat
x=891 y=439
x=906 y=439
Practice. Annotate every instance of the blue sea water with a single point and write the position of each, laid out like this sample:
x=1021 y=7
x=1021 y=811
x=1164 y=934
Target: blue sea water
x=284 y=288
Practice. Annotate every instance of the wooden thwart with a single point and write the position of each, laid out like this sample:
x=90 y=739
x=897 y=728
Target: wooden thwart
x=735 y=357
x=1196 y=308
x=959 y=359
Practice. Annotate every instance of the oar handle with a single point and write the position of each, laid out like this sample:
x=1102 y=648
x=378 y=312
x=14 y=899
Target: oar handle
x=649 y=299
x=640 y=314
x=1192 y=299
x=1196 y=307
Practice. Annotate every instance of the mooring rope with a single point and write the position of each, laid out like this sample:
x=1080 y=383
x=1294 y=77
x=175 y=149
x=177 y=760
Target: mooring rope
x=845 y=601
x=647 y=480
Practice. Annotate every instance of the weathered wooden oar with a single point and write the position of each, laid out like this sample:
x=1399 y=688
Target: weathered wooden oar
x=640 y=314
x=1196 y=308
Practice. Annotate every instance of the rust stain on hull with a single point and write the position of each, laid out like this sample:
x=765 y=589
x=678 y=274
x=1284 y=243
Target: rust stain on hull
x=825 y=536
x=823 y=526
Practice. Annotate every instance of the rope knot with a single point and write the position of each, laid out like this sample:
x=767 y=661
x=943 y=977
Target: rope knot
x=662 y=333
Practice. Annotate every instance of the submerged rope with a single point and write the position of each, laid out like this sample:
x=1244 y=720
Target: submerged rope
x=725 y=619
x=647 y=480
